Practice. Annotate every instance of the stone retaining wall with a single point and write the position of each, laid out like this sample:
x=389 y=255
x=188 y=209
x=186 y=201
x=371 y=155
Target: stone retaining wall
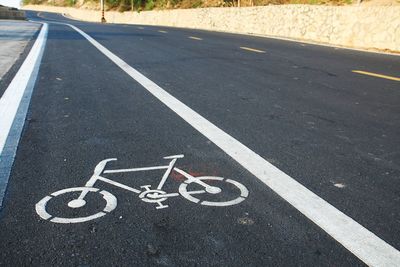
x=10 y=13
x=365 y=27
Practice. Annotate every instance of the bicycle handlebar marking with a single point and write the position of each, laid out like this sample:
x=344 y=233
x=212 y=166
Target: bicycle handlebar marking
x=146 y=193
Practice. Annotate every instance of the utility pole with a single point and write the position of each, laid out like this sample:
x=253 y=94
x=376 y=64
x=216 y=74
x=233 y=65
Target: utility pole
x=103 y=19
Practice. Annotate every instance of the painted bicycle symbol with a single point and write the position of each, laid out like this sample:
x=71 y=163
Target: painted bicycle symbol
x=156 y=196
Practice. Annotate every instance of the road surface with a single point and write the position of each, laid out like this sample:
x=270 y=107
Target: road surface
x=296 y=146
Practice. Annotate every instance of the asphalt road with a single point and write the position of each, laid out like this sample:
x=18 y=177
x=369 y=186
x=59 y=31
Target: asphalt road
x=299 y=106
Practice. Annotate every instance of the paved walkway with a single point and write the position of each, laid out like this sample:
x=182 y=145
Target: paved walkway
x=14 y=36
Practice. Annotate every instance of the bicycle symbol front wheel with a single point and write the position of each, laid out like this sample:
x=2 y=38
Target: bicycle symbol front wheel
x=111 y=204
x=191 y=195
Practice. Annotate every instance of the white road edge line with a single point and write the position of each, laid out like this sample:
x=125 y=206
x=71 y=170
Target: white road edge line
x=360 y=241
x=14 y=105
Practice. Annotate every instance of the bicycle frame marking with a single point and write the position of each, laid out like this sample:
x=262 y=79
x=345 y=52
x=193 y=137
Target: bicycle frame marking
x=147 y=194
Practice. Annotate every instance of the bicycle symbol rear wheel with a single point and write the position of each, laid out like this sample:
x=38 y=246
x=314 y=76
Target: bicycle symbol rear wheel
x=111 y=204
x=190 y=195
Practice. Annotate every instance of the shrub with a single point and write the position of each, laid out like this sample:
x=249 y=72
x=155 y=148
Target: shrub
x=149 y=5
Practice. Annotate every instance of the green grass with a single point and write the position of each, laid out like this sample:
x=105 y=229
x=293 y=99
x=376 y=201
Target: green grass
x=149 y=5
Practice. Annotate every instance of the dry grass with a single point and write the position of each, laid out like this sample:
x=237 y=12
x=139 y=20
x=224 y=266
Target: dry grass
x=139 y=5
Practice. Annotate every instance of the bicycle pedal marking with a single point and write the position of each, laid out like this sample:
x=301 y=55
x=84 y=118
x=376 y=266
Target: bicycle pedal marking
x=162 y=207
x=145 y=193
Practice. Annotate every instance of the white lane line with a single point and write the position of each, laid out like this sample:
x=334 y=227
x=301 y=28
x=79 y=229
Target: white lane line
x=360 y=241
x=251 y=49
x=195 y=38
x=14 y=105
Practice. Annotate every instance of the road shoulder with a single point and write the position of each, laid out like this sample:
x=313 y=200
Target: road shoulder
x=16 y=39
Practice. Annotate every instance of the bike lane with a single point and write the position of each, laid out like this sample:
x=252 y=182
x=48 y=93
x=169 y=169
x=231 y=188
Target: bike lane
x=322 y=131
x=84 y=109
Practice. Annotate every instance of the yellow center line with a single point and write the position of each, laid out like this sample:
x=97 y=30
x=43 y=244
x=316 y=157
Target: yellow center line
x=162 y=31
x=195 y=38
x=251 y=49
x=377 y=75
